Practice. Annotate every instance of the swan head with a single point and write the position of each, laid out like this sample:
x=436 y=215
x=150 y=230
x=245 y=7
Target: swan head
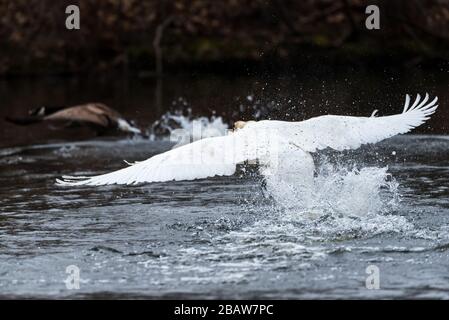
x=242 y=124
x=239 y=125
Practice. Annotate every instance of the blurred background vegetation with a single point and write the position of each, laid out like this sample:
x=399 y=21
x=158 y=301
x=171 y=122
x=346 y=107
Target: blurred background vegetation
x=135 y=36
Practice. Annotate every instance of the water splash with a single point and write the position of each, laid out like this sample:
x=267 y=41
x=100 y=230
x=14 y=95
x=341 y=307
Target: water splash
x=287 y=234
x=341 y=203
x=185 y=128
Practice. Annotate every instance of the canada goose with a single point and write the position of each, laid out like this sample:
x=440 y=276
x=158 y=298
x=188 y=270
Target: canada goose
x=96 y=115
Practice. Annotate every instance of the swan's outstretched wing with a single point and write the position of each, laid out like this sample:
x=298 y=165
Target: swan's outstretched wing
x=217 y=156
x=341 y=132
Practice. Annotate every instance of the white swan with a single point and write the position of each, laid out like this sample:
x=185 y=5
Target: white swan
x=281 y=148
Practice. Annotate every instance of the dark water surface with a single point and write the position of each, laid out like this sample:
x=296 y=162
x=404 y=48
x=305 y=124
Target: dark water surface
x=223 y=237
x=218 y=237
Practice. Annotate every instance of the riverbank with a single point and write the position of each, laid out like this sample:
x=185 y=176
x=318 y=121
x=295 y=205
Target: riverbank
x=152 y=37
